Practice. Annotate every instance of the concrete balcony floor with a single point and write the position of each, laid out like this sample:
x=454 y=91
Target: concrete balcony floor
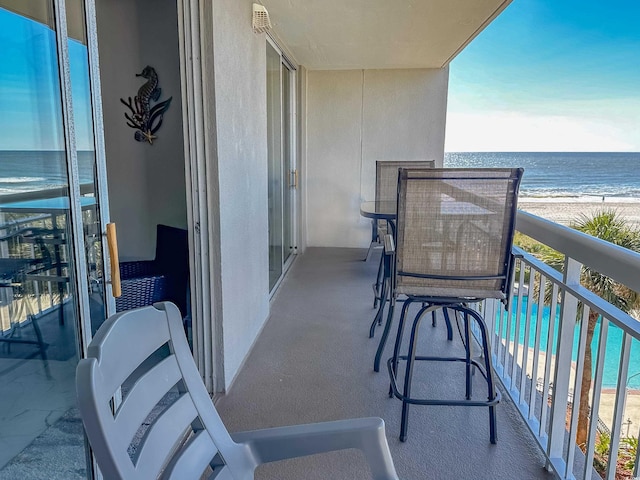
x=314 y=362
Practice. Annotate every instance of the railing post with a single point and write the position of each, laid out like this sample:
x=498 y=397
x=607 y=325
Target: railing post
x=618 y=412
x=490 y=312
x=568 y=313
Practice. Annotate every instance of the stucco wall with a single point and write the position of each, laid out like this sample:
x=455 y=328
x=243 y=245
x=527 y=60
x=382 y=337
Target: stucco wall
x=146 y=182
x=240 y=95
x=354 y=118
x=166 y=187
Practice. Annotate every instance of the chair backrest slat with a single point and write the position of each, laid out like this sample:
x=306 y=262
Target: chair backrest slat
x=163 y=436
x=223 y=474
x=455 y=230
x=192 y=459
x=141 y=399
x=127 y=338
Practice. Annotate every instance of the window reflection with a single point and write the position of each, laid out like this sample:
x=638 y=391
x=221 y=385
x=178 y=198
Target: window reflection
x=274 y=142
x=38 y=303
x=83 y=122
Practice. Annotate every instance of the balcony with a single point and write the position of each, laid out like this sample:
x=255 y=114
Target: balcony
x=314 y=362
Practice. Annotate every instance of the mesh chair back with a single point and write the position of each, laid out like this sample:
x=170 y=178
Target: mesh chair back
x=387 y=177
x=454 y=232
x=387 y=182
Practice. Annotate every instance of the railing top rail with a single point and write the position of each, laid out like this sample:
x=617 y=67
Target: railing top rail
x=620 y=264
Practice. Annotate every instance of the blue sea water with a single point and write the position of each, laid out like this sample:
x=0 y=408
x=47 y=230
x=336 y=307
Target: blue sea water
x=573 y=174
x=545 y=174
x=24 y=171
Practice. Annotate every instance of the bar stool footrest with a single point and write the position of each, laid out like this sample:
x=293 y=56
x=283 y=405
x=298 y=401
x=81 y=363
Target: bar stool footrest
x=421 y=401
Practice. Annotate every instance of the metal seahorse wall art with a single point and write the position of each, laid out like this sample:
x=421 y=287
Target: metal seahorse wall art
x=143 y=117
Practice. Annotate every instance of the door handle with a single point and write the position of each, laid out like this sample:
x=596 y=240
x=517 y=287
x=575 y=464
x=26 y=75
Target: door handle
x=112 y=242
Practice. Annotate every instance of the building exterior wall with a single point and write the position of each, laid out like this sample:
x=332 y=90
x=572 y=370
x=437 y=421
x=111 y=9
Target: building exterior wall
x=354 y=118
x=241 y=124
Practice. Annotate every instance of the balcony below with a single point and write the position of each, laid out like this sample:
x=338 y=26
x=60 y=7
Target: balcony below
x=314 y=362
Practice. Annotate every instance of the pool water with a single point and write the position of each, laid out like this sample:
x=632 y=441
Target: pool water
x=612 y=353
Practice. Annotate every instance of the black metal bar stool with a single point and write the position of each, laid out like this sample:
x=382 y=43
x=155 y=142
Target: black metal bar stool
x=452 y=248
x=386 y=191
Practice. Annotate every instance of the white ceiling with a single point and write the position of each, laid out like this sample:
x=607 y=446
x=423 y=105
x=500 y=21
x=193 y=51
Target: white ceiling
x=355 y=34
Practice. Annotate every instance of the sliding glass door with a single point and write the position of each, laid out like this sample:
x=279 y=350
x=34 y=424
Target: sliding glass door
x=52 y=288
x=282 y=172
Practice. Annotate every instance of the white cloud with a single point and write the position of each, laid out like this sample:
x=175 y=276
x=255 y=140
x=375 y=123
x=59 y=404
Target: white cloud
x=520 y=132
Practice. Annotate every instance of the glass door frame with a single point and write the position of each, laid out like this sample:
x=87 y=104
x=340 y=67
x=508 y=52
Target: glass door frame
x=290 y=180
x=195 y=34
x=80 y=276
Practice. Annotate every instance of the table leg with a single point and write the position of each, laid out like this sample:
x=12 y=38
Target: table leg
x=385 y=332
x=383 y=301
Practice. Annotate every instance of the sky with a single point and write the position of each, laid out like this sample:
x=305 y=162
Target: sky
x=546 y=75
x=549 y=76
x=30 y=87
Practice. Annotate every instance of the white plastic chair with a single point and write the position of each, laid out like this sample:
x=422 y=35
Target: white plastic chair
x=187 y=438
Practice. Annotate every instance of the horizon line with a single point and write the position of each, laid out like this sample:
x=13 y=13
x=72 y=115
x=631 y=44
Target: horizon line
x=540 y=151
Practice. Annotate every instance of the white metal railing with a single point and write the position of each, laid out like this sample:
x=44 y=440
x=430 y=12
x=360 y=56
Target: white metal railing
x=539 y=347
x=37 y=296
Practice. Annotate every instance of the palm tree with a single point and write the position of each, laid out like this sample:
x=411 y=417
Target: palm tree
x=608 y=225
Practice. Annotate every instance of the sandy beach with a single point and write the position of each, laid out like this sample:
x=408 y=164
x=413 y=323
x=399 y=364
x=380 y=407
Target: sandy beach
x=565 y=210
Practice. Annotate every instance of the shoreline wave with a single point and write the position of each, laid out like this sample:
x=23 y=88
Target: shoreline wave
x=524 y=197
x=564 y=175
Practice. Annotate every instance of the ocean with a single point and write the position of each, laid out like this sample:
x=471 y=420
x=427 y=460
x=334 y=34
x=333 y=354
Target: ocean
x=573 y=174
x=545 y=175
x=25 y=171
